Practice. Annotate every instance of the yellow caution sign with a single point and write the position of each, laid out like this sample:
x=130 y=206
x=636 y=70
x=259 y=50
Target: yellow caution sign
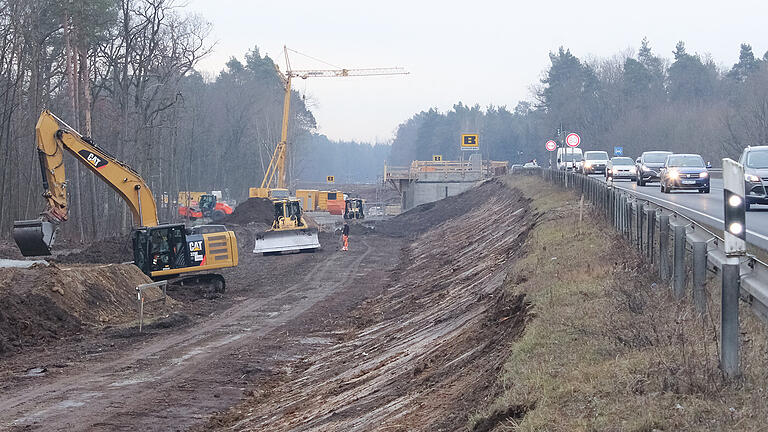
x=330 y=179
x=470 y=141
x=437 y=158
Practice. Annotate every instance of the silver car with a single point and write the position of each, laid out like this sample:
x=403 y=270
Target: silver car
x=755 y=161
x=620 y=167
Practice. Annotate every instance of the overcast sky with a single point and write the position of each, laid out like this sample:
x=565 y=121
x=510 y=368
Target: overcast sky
x=485 y=52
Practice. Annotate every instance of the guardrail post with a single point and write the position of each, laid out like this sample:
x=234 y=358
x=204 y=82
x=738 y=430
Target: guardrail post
x=628 y=219
x=700 y=276
x=640 y=221
x=664 y=246
x=729 y=316
x=679 y=261
x=650 y=221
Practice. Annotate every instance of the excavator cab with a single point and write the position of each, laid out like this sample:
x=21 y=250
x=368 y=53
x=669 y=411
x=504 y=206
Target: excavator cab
x=165 y=251
x=34 y=237
x=207 y=204
x=289 y=232
x=353 y=209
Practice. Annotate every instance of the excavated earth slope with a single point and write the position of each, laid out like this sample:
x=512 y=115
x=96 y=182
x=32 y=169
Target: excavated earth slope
x=426 y=352
x=42 y=304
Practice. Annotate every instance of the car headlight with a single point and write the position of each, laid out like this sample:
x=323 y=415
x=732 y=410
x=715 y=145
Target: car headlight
x=633 y=170
x=751 y=178
x=674 y=174
x=645 y=167
x=703 y=174
x=587 y=164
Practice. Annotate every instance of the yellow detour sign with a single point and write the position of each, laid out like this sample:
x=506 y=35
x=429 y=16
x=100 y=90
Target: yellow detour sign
x=330 y=179
x=437 y=158
x=469 y=141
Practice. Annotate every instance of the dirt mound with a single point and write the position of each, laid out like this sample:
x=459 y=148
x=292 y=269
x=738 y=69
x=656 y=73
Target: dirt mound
x=42 y=304
x=426 y=216
x=426 y=352
x=259 y=210
x=8 y=249
x=110 y=250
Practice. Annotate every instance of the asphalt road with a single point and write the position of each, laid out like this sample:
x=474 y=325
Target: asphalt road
x=703 y=208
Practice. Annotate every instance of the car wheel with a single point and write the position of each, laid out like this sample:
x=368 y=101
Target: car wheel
x=662 y=188
x=706 y=190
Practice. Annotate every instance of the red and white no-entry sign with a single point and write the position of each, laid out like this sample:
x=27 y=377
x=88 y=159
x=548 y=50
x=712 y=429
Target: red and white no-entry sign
x=551 y=145
x=573 y=139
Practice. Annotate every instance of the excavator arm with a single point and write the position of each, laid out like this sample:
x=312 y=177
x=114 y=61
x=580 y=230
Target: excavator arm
x=53 y=136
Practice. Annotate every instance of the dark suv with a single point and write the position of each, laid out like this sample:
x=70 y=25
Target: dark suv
x=755 y=161
x=648 y=166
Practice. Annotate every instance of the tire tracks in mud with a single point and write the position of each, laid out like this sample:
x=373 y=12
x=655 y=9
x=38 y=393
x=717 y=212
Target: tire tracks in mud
x=174 y=380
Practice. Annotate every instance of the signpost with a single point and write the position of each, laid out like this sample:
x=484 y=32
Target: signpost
x=437 y=158
x=572 y=140
x=330 y=179
x=470 y=142
x=618 y=151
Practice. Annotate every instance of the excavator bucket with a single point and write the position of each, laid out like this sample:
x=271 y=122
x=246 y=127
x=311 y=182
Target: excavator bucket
x=34 y=237
x=295 y=240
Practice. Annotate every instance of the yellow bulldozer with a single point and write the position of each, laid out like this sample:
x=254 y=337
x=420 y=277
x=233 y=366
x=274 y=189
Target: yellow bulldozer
x=161 y=251
x=289 y=232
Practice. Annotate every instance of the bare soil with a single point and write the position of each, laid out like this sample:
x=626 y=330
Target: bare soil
x=110 y=250
x=403 y=332
x=259 y=210
x=44 y=304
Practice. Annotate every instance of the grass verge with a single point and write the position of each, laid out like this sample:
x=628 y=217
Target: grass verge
x=608 y=347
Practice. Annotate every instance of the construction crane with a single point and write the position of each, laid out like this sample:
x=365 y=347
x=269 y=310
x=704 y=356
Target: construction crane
x=274 y=183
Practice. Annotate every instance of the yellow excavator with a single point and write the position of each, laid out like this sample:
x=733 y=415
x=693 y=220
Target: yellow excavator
x=160 y=251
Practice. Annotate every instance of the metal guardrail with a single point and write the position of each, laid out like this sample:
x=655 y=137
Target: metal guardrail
x=676 y=246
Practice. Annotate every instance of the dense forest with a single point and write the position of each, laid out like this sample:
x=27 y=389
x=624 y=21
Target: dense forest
x=640 y=101
x=124 y=72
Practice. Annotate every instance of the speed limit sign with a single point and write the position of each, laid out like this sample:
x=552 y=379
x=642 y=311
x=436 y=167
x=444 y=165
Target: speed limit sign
x=573 y=139
x=550 y=145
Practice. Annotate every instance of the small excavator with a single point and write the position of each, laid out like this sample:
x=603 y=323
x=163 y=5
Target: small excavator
x=160 y=251
x=207 y=207
x=353 y=208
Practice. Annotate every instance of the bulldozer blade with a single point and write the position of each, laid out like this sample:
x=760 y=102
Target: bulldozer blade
x=287 y=241
x=34 y=237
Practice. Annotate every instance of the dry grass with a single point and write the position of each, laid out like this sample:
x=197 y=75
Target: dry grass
x=608 y=348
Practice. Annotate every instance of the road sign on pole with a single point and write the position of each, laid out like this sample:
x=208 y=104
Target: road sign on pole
x=470 y=142
x=618 y=151
x=573 y=139
x=550 y=145
x=330 y=179
x=437 y=158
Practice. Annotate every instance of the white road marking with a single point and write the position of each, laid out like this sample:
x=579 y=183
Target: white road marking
x=760 y=236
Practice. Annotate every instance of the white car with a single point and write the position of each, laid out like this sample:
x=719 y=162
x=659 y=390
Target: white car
x=620 y=168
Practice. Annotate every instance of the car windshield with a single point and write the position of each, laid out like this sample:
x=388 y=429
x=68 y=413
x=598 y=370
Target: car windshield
x=685 y=161
x=596 y=155
x=757 y=159
x=655 y=157
x=622 y=161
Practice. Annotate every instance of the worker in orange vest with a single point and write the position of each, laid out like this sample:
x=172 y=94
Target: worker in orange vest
x=345 y=237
